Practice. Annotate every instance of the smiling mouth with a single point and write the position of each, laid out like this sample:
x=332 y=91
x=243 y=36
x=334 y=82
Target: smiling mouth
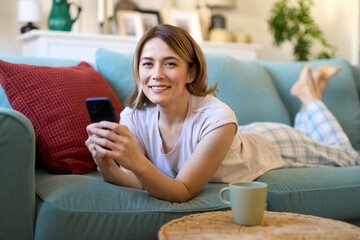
x=159 y=88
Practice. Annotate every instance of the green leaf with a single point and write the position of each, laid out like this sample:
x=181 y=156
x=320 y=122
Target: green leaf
x=291 y=21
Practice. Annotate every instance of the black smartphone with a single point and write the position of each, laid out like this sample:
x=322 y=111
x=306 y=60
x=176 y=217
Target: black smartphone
x=101 y=109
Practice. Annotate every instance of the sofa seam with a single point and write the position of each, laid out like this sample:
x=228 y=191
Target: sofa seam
x=314 y=190
x=127 y=212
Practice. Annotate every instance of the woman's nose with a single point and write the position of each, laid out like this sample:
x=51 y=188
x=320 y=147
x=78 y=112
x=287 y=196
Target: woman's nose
x=158 y=73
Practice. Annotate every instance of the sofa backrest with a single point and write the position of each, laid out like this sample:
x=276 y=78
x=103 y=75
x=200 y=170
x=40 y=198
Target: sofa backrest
x=51 y=62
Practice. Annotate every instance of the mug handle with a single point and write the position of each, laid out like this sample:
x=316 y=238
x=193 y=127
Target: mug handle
x=221 y=195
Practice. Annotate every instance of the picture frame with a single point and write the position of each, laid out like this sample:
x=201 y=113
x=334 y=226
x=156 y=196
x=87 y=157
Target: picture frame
x=150 y=19
x=130 y=23
x=189 y=20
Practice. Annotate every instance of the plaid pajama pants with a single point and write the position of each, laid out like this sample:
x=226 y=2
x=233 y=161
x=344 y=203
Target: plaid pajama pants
x=317 y=139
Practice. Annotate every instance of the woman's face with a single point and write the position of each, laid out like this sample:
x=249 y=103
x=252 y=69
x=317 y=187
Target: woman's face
x=163 y=74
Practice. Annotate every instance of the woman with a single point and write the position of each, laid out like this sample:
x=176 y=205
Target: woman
x=173 y=137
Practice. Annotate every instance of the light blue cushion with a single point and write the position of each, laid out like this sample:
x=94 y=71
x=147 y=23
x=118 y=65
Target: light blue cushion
x=117 y=70
x=87 y=207
x=340 y=95
x=247 y=88
x=4 y=102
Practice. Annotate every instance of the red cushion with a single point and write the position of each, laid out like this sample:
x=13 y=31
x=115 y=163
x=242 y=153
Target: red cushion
x=53 y=99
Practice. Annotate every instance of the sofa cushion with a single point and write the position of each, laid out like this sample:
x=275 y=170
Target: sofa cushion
x=331 y=192
x=247 y=88
x=90 y=208
x=4 y=102
x=53 y=98
x=244 y=85
x=117 y=70
x=340 y=95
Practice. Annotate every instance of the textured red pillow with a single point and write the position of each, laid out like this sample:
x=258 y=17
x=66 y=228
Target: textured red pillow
x=53 y=98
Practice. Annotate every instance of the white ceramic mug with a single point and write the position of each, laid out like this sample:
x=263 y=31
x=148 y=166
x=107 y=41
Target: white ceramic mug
x=247 y=201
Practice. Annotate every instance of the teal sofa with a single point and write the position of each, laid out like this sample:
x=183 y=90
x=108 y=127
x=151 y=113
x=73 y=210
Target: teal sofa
x=36 y=204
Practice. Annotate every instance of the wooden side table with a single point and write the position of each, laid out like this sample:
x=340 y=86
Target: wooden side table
x=275 y=225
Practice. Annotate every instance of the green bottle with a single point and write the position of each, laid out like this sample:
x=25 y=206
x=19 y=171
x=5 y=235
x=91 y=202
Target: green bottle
x=59 y=18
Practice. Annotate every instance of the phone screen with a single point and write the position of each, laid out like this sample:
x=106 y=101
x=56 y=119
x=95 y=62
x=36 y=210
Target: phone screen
x=101 y=109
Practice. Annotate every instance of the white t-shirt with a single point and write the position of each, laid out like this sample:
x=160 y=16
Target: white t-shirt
x=250 y=154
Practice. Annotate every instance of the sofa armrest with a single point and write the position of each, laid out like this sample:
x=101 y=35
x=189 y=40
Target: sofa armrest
x=17 y=176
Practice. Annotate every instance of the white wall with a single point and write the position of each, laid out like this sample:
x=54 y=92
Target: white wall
x=9 y=29
x=339 y=21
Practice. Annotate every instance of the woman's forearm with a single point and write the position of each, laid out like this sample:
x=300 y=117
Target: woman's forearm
x=122 y=177
x=161 y=186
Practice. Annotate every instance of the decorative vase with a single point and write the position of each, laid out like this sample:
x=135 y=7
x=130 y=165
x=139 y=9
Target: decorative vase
x=59 y=18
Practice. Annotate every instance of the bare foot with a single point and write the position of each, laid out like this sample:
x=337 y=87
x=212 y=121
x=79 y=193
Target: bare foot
x=322 y=76
x=311 y=86
x=304 y=88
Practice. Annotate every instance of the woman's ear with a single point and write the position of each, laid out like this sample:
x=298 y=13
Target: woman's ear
x=192 y=73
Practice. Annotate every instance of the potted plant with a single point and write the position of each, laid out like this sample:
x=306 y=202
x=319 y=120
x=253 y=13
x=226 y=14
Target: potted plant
x=292 y=22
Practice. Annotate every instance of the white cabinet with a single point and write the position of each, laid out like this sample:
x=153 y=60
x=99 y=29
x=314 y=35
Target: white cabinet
x=78 y=46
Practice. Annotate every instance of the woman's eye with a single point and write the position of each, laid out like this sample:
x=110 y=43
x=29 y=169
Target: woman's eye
x=170 y=64
x=146 y=64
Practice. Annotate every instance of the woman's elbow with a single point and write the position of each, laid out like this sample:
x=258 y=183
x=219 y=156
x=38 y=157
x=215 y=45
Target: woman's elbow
x=180 y=199
x=183 y=196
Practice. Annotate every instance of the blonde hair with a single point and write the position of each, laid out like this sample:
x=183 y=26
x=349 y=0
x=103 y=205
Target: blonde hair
x=184 y=45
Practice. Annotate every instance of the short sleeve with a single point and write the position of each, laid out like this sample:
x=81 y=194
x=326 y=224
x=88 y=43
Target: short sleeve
x=127 y=118
x=210 y=113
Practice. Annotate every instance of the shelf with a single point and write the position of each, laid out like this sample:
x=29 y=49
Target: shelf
x=81 y=46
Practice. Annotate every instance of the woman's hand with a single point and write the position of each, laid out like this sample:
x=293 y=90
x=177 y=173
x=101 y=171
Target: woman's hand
x=104 y=143
x=108 y=140
x=101 y=160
